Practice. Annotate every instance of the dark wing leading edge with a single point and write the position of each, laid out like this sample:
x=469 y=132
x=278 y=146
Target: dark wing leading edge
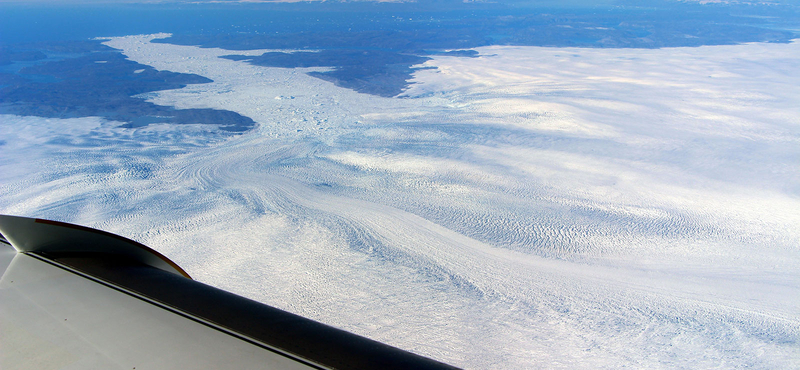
x=75 y=298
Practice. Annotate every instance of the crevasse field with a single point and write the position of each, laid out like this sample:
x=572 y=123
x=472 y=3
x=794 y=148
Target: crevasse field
x=529 y=208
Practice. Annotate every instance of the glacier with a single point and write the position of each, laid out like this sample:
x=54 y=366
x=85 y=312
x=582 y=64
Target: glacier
x=531 y=207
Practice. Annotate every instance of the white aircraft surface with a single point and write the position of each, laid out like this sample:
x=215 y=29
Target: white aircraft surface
x=72 y=297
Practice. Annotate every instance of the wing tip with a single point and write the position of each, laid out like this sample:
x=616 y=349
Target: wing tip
x=36 y=235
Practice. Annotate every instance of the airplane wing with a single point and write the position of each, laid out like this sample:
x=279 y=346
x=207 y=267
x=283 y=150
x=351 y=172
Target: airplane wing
x=72 y=297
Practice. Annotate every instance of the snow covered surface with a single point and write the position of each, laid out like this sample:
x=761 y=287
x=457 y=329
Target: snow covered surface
x=529 y=208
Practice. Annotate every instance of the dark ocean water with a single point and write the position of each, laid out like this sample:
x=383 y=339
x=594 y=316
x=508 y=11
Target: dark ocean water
x=371 y=46
x=661 y=23
x=24 y=23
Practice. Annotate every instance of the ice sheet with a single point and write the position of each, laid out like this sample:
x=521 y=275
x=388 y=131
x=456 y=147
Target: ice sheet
x=529 y=208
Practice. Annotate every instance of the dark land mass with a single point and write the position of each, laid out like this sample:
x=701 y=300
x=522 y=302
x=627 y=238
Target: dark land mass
x=9 y=55
x=374 y=62
x=370 y=46
x=447 y=25
x=11 y=79
x=528 y=30
x=407 y=41
x=389 y=41
x=69 y=47
x=457 y=53
x=36 y=51
x=104 y=84
x=377 y=72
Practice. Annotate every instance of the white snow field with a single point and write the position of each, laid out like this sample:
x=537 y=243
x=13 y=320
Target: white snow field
x=529 y=208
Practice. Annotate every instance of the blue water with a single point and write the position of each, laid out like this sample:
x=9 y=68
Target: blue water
x=34 y=23
x=23 y=23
